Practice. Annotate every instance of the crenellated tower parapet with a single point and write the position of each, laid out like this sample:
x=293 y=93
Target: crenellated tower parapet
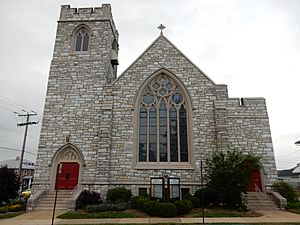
x=68 y=14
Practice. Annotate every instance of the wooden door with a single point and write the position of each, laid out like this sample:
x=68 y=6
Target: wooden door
x=256 y=180
x=67 y=178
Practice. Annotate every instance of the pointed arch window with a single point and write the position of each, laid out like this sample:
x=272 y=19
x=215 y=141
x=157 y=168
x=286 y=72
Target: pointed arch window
x=82 y=39
x=162 y=129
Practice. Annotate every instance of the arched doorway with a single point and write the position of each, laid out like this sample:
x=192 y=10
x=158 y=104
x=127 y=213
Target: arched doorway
x=67 y=168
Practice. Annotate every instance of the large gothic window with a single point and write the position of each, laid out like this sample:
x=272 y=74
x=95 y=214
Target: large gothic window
x=163 y=135
x=82 y=40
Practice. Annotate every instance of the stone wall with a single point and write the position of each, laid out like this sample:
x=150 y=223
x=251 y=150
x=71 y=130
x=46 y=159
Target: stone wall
x=87 y=107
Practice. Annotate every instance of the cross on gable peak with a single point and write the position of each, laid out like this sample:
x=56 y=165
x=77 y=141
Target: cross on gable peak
x=161 y=27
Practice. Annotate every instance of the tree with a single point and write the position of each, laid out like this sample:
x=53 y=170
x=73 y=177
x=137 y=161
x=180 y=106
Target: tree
x=9 y=185
x=229 y=175
x=286 y=190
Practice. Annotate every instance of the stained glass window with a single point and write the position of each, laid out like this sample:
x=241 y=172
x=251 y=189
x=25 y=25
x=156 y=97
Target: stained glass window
x=163 y=135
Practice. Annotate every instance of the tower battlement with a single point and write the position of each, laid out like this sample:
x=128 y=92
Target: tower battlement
x=93 y=13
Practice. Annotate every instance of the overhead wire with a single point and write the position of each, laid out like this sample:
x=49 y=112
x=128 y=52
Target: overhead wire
x=16 y=150
x=13 y=103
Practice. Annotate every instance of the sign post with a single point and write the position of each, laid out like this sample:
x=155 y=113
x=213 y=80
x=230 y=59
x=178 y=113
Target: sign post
x=56 y=188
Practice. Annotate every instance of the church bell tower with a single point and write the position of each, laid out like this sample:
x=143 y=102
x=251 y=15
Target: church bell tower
x=84 y=64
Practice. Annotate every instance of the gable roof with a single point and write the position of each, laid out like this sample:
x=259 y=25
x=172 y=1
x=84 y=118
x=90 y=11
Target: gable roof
x=161 y=36
x=14 y=164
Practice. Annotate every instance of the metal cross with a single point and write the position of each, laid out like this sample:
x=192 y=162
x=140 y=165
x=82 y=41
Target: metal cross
x=161 y=27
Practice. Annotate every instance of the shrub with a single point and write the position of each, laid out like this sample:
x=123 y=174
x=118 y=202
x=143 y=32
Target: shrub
x=138 y=202
x=14 y=208
x=166 y=209
x=195 y=201
x=87 y=198
x=3 y=209
x=293 y=205
x=118 y=194
x=183 y=206
x=286 y=191
x=151 y=207
x=208 y=197
x=107 y=207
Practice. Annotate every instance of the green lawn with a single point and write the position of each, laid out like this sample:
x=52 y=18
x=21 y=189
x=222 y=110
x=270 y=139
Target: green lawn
x=220 y=213
x=10 y=215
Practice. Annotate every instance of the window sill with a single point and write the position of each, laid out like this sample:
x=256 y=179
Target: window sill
x=158 y=166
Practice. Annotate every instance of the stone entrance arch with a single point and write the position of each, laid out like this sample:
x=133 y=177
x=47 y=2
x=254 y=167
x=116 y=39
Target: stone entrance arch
x=72 y=162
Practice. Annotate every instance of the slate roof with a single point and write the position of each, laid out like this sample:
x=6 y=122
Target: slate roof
x=14 y=164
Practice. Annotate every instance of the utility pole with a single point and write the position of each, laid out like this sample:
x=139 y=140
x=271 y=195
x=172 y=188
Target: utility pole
x=26 y=124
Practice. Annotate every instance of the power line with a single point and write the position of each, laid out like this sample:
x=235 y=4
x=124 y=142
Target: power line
x=13 y=103
x=14 y=131
x=14 y=149
x=1 y=106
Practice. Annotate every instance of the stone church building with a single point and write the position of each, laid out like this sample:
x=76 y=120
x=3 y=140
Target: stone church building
x=160 y=118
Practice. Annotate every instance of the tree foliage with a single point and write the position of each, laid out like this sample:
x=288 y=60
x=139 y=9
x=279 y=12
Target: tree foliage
x=229 y=174
x=9 y=185
x=286 y=190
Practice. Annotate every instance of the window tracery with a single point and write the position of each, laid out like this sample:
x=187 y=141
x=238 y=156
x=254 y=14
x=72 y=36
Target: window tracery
x=82 y=39
x=163 y=135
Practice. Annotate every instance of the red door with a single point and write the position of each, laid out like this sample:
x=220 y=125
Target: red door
x=67 y=178
x=256 y=180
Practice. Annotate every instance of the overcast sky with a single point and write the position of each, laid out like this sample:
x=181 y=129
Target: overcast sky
x=253 y=46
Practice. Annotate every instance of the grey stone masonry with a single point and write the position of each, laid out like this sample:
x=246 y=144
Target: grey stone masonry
x=96 y=115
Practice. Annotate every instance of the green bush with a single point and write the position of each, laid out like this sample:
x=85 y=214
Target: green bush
x=138 y=202
x=209 y=197
x=3 y=209
x=151 y=208
x=196 y=201
x=286 y=191
x=87 y=198
x=183 y=206
x=118 y=194
x=107 y=207
x=166 y=209
x=14 y=208
x=293 y=205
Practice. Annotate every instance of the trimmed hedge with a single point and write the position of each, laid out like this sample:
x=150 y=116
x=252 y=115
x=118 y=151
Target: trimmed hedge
x=87 y=198
x=153 y=208
x=209 y=197
x=183 y=206
x=107 y=207
x=166 y=209
x=118 y=194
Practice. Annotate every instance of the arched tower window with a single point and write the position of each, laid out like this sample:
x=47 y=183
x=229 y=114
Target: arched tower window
x=162 y=124
x=82 y=39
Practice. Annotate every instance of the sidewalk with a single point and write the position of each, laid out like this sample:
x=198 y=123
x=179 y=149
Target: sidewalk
x=44 y=218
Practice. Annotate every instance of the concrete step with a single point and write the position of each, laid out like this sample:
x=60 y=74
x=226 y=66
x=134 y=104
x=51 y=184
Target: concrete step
x=47 y=201
x=256 y=201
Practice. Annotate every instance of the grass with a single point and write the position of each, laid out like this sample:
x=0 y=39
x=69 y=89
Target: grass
x=97 y=215
x=10 y=215
x=221 y=213
x=137 y=214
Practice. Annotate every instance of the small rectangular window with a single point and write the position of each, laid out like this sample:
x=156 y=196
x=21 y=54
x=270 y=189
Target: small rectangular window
x=142 y=191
